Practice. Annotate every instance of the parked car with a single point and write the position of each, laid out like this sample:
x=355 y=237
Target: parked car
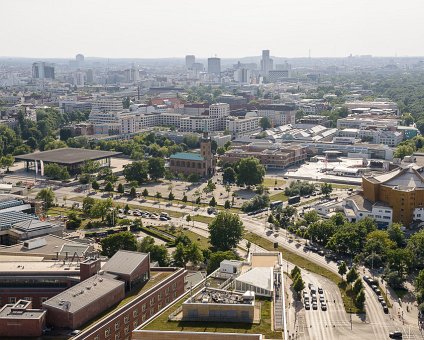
x=323 y=306
x=395 y=335
x=314 y=306
x=320 y=290
x=307 y=306
x=386 y=310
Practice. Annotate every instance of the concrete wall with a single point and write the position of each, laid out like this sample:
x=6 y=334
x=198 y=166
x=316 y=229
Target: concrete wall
x=218 y=312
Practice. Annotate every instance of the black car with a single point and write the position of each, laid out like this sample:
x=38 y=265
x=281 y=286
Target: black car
x=395 y=335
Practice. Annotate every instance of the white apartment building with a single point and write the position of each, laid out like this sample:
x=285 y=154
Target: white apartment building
x=356 y=208
x=219 y=110
x=277 y=117
x=107 y=104
x=374 y=136
x=360 y=122
x=239 y=127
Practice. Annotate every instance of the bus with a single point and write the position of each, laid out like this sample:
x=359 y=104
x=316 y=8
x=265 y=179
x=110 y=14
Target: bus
x=275 y=204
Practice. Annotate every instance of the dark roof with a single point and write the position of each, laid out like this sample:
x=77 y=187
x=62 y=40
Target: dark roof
x=85 y=293
x=124 y=262
x=67 y=155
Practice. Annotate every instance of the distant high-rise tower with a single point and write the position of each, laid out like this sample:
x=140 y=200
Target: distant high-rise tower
x=190 y=60
x=79 y=58
x=214 y=66
x=42 y=70
x=267 y=64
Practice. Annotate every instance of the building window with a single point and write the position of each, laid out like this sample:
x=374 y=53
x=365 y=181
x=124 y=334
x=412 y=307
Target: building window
x=12 y=299
x=127 y=329
x=175 y=295
x=159 y=306
x=152 y=301
x=167 y=300
x=126 y=319
x=116 y=325
x=143 y=308
x=159 y=296
x=135 y=323
x=117 y=336
x=27 y=298
x=135 y=313
x=44 y=299
x=167 y=291
x=107 y=332
x=96 y=337
x=152 y=311
x=174 y=286
x=143 y=318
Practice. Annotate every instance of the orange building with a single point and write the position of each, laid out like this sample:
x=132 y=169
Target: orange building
x=401 y=189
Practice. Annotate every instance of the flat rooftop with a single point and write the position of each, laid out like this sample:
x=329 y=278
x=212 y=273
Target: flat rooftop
x=37 y=267
x=265 y=259
x=20 y=311
x=220 y=297
x=67 y=155
x=124 y=262
x=84 y=293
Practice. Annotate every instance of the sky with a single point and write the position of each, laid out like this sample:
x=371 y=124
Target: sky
x=225 y=28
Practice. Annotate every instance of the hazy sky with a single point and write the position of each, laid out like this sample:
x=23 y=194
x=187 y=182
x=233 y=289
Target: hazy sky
x=227 y=28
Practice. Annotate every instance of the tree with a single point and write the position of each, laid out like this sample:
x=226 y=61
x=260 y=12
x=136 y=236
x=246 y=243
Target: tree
x=311 y=217
x=220 y=150
x=47 y=196
x=357 y=286
x=179 y=256
x=56 y=172
x=403 y=150
x=120 y=188
x=227 y=204
x=416 y=247
x=226 y=231
x=326 y=189
x=194 y=254
x=120 y=241
x=265 y=123
x=171 y=196
x=250 y=172
x=295 y=272
x=74 y=221
x=217 y=257
x=321 y=231
x=351 y=275
x=396 y=234
x=7 y=161
x=158 y=195
x=85 y=178
x=256 y=203
x=360 y=299
x=100 y=208
x=87 y=204
x=136 y=171
x=184 y=199
x=145 y=193
x=91 y=167
x=229 y=175
x=342 y=268
x=133 y=192
x=212 y=202
x=419 y=281
x=198 y=200
x=156 y=167
x=298 y=284
x=95 y=185
x=109 y=187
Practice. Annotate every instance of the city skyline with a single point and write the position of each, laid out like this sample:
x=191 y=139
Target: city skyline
x=167 y=29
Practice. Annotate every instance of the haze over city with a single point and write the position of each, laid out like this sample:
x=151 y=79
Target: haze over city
x=236 y=28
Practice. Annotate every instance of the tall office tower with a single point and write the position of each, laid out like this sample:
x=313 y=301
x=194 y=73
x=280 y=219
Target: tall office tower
x=89 y=75
x=267 y=64
x=214 y=66
x=42 y=70
x=190 y=60
x=79 y=78
x=242 y=76
x=132 y=75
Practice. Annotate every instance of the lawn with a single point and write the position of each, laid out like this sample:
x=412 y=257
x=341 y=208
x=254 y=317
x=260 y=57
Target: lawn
x=161 y=323
x=306 y=264
x=345 y=186
x=201 y=241
x=270 y=182
x=280 y=196
x=57 y=211
x=202 y=219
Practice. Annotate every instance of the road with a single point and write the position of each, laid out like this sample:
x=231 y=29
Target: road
x=312 y=324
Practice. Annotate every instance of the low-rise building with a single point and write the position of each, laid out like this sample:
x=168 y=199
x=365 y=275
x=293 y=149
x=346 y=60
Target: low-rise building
x=20 y=320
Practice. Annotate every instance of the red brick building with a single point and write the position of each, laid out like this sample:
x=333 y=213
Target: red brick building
x=20 y=320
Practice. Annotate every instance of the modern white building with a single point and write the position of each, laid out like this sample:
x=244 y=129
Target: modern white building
x=214 y=66
x=239 y=127
x=356 y=208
